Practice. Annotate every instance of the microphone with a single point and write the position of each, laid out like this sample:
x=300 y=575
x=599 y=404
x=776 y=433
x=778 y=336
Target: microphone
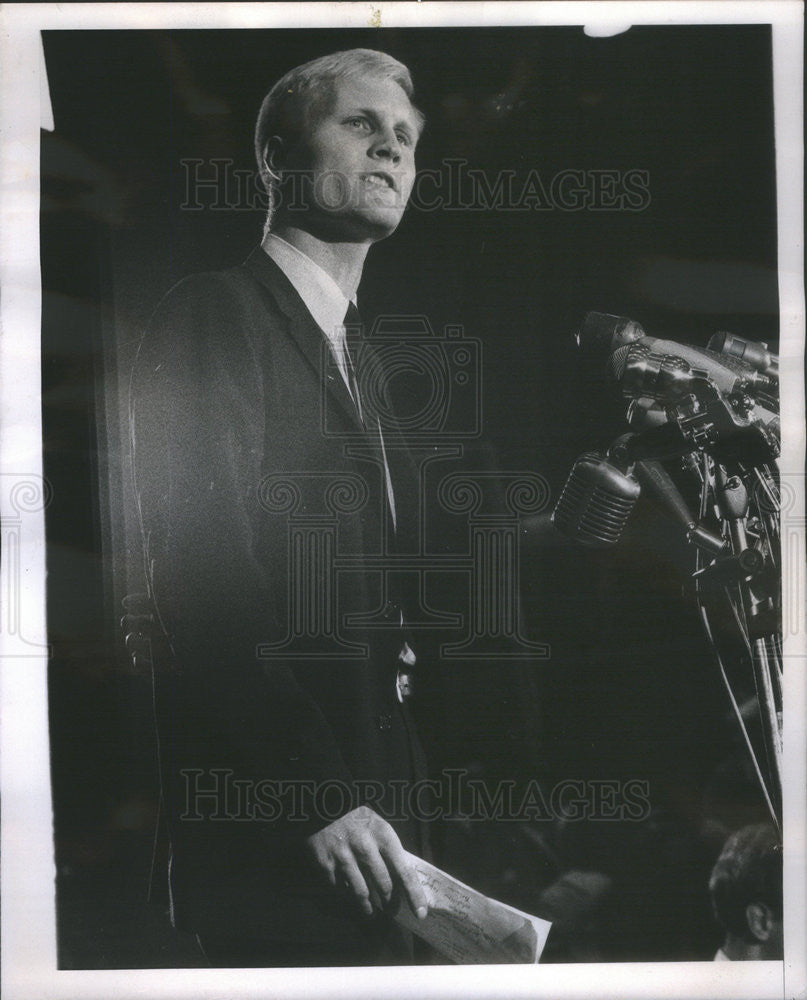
x=664 y=369
x=655 y=479
x=753 y=353
x=596 y=501
x=599 y=497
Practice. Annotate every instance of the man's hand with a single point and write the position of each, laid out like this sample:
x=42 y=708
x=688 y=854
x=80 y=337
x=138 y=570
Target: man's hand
x=362 y=851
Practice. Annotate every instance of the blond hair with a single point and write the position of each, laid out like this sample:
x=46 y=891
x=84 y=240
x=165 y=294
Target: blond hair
x=303 y=92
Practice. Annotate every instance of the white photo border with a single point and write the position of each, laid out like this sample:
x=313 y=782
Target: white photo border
x=28 y=873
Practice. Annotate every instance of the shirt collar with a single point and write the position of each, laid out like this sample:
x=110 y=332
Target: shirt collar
x=322 y=296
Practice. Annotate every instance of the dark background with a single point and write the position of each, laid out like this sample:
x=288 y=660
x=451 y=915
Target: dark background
x=630 y=690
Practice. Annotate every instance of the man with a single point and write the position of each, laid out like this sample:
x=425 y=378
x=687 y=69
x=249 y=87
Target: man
x=746 y=890
x=247 y=421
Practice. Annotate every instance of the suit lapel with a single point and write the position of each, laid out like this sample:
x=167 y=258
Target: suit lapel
x=308 y=337
x=311 y=342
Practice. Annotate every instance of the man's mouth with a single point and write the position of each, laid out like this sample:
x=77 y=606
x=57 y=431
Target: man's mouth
x=380 y=179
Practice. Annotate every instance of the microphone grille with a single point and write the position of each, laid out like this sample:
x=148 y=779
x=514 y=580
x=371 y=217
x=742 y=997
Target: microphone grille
x=600 y=333
x=596 y=502
x=617 y=363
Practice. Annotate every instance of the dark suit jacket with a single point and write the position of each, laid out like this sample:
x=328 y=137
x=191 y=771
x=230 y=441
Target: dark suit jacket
x=246 y=487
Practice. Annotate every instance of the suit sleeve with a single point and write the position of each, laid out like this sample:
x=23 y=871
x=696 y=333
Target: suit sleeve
x=197 y=417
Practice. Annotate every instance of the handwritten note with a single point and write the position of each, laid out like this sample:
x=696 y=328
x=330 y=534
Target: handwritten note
x=469 y=928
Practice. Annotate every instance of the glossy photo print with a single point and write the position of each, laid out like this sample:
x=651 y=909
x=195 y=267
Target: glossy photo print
x=420 y=507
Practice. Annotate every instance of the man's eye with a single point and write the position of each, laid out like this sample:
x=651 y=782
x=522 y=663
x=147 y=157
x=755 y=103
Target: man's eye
x=359 y=123
x=403 y=138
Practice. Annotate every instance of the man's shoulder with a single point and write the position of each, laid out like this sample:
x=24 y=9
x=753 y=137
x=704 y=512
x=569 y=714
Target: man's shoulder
x=209 y=322
x=224 y=290
x=216 y=310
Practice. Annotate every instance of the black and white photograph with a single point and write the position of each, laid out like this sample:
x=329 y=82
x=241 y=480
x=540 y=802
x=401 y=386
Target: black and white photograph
x=403 y=500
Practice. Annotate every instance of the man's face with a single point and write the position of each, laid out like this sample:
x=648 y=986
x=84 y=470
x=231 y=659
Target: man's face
x=358 y=157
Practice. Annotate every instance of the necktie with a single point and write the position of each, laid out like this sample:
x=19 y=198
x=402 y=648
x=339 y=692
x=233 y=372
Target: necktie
x=353 y=323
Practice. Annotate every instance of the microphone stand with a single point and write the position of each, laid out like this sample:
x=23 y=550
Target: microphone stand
x=738 y=564
x=739 y=567
x=714 y=410
x=757 y=619
x=745 y=562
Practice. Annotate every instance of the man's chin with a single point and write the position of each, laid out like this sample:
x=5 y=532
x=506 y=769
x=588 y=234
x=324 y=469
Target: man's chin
x=362 y=226
x=382 y=228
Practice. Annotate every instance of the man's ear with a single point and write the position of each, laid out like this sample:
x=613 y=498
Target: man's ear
x=274 y=153
x=760 y=920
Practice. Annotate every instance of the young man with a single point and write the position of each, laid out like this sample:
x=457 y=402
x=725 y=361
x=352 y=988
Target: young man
x=255 y=457
x=746 y=891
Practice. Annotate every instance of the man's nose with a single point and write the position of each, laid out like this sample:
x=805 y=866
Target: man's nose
x=387 y=147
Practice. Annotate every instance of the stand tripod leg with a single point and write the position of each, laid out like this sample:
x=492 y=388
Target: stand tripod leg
x=769 y=716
